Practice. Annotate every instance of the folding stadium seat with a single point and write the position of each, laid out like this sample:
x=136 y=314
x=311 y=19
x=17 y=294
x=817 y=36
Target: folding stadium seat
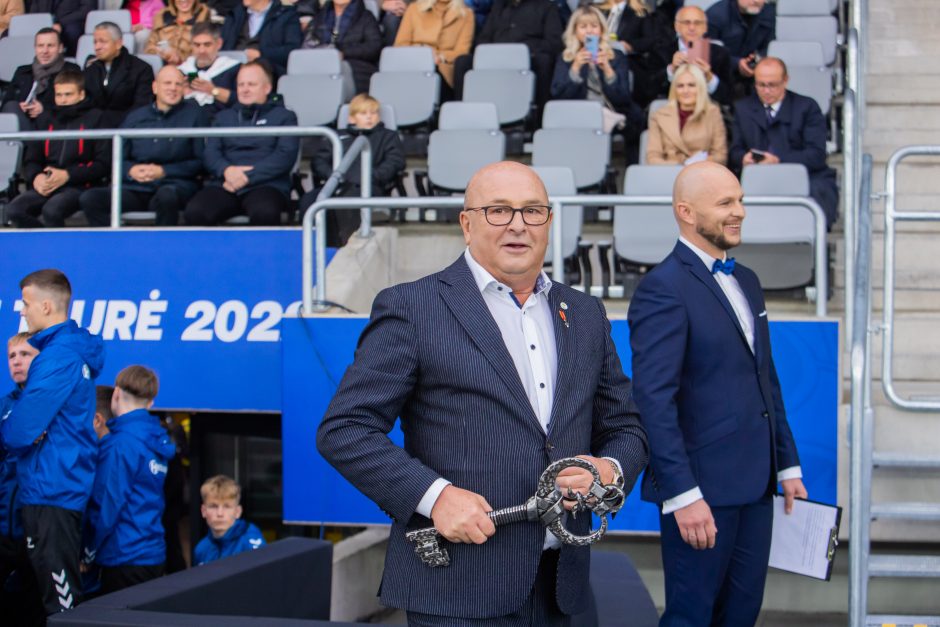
x=805 y=7
x=407 y=80
x=313 y=86
x=777 y=240
x=10 y=153
x=572 y=136
x=27 y=24
x=808 y=73
x=501 y=75
x=468 y=137
x=644 y=143
x=560 y=182
x=821 y=28
x=121 y=17
x=153 y=59
x=14 y=52
x=86 y=47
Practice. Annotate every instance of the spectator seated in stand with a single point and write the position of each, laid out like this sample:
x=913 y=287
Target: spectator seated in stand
x=580 y=75
x=142 y=13
x=264 y=29
x=690 y=128
x=446 y=26
x=8 y=10
x=534 y=23
x=388 y=161
x=123 y=529
x=117 y=82
x=228 y=534
x=68 y=16
x=746 y=28
x=20 y=97
x=643 y=35
x=348 y=26
x=211 y=76
x=160 y=175
x=776 y=125
x=171 y=37
x=248 y=175
x=58 y=171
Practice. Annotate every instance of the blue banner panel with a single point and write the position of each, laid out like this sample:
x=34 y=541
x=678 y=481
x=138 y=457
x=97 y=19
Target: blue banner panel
x=201 y=307
x=317 y=351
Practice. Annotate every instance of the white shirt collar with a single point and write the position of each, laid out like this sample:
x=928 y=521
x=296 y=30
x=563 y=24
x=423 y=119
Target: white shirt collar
x=484 y=279
x=775 y=107
x=707 y=259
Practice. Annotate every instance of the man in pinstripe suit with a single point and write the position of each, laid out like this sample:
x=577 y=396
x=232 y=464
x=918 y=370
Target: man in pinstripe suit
x=495 y=372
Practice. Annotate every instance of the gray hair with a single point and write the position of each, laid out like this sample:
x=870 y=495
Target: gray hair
x=113 y=29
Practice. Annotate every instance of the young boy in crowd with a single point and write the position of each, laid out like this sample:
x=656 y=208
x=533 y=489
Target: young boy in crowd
x=388 y=160
x=228 y=533
x=124 y=533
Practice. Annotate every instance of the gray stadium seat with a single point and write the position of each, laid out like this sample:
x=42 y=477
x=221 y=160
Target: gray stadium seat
x=644 y=142
x=320 y=61
x=468 y=137
x=314 y=98
x=808 y=73
x=153 y=59
x=407 y=80
x=560 y=182
x=645 y=234
x=501 y=57
x=86 y=47
x=14 y=52
x=821 y=28
x=121 y=17
x=777 y=240
x=797 y=52
x=501 y=75
x=805 y=7
x=386 y=113
x=10 y=152
x=27 y=24
x=572 y=136
x=655 y=106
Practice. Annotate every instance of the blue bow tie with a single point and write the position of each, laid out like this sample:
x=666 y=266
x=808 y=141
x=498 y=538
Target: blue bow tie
x=723 y=266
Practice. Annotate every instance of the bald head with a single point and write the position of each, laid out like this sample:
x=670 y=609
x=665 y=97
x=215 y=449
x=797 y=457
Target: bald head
x=498 y=175
x=707 y=203
x=168 y=87
x=691 y=23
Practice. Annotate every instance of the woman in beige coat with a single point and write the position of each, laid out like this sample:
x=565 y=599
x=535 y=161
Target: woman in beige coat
x=689 y=128
x=444 y=25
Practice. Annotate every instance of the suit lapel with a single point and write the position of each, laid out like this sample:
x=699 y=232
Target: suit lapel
x=754 y=302
x=565 y=345
x=463 y=298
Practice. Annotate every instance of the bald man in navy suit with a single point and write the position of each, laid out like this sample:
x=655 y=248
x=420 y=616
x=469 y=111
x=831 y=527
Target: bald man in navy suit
x=708 y=394
x=495 y=372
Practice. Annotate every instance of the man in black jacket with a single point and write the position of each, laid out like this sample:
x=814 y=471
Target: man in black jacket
x=69 y=17
x=117 y=82
x=534 y=23
x=30 y=91
x=160 y=175
x=58 y=171
x=264 y=29
x=746 y=28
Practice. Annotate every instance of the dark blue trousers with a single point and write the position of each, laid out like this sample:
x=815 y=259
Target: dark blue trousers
x=723 y=586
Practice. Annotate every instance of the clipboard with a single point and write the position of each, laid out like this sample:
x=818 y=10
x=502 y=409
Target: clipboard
x=805 y=541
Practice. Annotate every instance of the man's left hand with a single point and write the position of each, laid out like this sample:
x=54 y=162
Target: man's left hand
x=792 y=488
x=580 y=480
x=57 y=178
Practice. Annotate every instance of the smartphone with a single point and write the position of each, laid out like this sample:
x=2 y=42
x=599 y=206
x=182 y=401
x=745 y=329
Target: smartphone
x=592 y=43
x=758 y=155
x=700 y=51
x=191 y=76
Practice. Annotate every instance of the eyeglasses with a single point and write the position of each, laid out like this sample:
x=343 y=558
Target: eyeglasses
x=501 y=215
x=691 y=22
x=775 y=85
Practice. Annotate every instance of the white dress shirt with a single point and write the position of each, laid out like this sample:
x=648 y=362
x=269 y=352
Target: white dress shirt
x=742 y=309
x=256 y=19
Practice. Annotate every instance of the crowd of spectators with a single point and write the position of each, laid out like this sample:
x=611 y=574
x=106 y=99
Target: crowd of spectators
x=624 y=55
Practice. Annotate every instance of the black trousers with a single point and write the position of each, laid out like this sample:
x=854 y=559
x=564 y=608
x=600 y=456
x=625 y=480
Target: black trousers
x=20 y=603
x=114 y=578
x=24 y=210
x=53 y=545
x=167 y=202
x=212 y=206
x=539 y=610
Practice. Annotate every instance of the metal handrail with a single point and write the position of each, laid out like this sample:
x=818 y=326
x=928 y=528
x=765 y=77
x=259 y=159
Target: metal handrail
x=850 y=159
x=558 y=202
x=892 y=217
x=118 y=135
x=360 y=146
x=860 y=421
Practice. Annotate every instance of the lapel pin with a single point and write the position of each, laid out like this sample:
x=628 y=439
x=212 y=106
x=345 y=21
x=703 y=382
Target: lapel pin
x=561 y=314
x=564 y=305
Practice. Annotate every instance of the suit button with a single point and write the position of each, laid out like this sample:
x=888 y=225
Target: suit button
x=549 y=447
x=766 y=414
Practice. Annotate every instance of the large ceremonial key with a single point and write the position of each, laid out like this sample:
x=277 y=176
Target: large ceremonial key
x=546 y=506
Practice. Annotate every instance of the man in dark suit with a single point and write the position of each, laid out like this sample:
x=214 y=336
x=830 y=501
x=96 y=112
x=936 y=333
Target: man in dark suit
x=264 y=29
x=778 y=126
x=691 y=24
x=709 y=397
x=746 y=28
x=495 y=372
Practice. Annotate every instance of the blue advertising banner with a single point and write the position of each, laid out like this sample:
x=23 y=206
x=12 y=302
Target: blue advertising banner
x=203 y=308
x=317 y=351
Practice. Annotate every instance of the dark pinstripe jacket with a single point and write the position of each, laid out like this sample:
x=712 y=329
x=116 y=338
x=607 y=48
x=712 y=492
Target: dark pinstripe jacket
x=433 y=355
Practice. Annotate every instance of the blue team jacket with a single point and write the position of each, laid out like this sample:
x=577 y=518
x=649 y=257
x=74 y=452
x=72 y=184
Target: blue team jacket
x=242 y=536
x=57 y=408
x=123 y=522
x=9 y=503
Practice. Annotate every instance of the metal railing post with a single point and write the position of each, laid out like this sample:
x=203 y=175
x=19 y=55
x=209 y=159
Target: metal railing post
x=117 y=173
x=365 y=189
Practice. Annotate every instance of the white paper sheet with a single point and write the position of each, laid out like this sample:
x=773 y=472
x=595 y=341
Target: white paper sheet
x=800 y=542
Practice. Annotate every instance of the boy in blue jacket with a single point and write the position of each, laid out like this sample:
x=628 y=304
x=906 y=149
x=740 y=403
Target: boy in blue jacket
x=49 y=430
x=124 y=532
x=228 y=533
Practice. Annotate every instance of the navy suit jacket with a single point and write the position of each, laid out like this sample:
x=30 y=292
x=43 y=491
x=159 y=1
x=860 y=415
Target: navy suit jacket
x=797 y=134
x=726 y=24
x=712 y=409
x=433 y=355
